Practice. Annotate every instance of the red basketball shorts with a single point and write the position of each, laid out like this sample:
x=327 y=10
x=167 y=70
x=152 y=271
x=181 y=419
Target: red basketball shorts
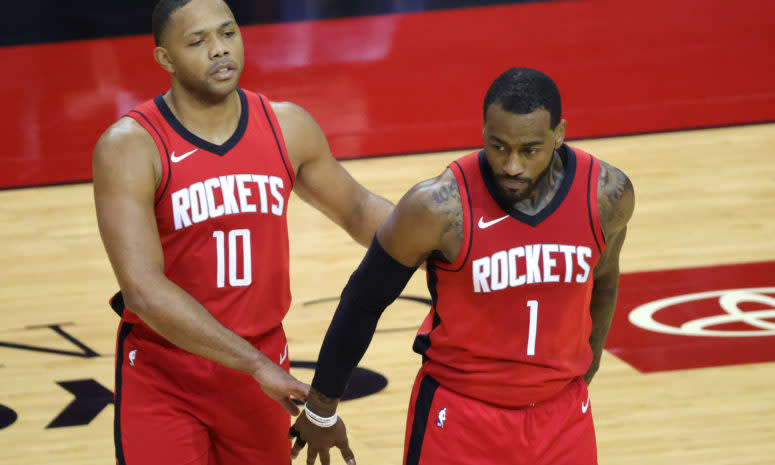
x=447 y=428
x=176 y=408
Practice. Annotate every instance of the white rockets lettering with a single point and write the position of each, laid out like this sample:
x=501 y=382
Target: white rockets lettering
x=239 y=193
x=531 y=264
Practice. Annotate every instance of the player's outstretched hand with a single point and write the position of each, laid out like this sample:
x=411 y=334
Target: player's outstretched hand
x=320 y=441
x=279 y=385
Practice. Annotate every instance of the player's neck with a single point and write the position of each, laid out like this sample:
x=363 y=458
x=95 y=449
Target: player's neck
x=545 y=189
x=213 y=121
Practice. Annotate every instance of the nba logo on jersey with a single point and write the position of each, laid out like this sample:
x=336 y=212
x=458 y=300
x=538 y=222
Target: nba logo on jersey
x=442 y=417
x=132 y=354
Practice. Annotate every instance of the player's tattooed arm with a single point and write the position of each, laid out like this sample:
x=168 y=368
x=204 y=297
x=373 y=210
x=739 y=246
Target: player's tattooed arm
x=449 y=210
x=616 y=201
x=428 y=220
x=321 y=403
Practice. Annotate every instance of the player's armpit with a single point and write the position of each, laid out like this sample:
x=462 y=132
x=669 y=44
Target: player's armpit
x=428 y=219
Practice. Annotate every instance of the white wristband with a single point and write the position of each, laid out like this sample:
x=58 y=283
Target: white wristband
x=317 y=420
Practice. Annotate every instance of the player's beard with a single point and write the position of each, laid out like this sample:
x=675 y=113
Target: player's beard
x=529 y=187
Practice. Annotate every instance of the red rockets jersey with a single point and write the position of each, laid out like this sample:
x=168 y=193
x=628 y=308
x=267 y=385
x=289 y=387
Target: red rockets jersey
x=221 y=214
x=510 y=320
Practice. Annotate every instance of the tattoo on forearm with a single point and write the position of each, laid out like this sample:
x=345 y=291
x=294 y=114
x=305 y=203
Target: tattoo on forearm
x=322 y=404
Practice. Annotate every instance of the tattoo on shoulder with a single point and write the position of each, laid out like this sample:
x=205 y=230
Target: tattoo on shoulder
x=615 y=198
x=447 y=200
x=443 y=193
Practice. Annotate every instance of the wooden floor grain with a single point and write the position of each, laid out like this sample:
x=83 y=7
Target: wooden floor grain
x=702 y=198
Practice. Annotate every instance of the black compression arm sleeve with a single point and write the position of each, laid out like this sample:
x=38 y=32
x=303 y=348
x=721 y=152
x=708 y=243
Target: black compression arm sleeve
x=376 y=283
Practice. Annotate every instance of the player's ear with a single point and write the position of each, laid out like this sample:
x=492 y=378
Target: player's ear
x=559 y=134
x=162 y=57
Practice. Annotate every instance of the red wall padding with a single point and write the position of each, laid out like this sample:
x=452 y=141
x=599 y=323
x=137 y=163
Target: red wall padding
x=415 y=82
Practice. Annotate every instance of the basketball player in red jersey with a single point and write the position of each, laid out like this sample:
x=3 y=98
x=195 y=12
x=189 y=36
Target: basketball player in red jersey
x=522 y=243
x=191 y=191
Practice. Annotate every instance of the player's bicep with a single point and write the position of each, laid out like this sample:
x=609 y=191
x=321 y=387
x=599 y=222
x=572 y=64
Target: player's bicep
x=615 y=200
x=417 y=225
x=124 y=188
x=321 y=181
x=607 y=268
x=327 y=186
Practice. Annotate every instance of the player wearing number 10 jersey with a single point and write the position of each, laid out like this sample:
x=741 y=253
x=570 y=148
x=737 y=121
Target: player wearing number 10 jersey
x=522 y=243
x=221 y=210
x=191 y=190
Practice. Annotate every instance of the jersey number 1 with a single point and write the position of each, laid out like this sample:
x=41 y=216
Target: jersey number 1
x=220 y=244
x=531 y=335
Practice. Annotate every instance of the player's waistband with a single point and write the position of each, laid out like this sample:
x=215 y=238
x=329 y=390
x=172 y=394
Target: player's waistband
x=496 y=391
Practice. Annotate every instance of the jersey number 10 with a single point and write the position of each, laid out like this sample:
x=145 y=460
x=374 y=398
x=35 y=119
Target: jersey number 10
x=221 y=246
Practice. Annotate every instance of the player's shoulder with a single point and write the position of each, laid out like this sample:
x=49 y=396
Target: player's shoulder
x=124 y=144
x=427 y=219
x=289 y=113
x=126 y=133
x=615 y=197
x=304 y=139
x=432 y=200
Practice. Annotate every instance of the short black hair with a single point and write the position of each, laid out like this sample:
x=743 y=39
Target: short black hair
x=525 y=90
x=161 y=16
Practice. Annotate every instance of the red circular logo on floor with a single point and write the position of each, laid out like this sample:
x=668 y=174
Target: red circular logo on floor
x=695 y=317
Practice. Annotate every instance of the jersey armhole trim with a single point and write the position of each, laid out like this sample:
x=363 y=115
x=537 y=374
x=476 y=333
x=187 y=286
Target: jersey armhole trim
x=166 y=174
x=283 y=153
x=468 y=224
x=594 y=215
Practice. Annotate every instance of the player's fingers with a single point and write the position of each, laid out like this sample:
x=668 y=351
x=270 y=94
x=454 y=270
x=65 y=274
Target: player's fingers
x=325 y=457
x=347 y=455
x=312 y=454
x=297 y=447
x=300 y=391
x=289 y=406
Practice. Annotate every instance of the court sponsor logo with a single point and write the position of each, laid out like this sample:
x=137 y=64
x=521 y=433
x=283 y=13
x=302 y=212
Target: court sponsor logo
x=696 y=317
x=729 y=301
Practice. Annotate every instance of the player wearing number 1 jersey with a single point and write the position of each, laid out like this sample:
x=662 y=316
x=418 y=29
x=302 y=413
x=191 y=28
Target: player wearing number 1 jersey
x=192 y=190
x=522 y=243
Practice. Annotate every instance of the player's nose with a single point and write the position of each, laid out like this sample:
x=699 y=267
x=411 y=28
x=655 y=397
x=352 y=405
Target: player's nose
x=219 y=49
x=513 y=165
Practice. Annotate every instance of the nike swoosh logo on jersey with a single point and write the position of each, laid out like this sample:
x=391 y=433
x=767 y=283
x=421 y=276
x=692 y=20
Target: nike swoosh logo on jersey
x=585 y=406
x=181 y=157
x=486 y=224
x=285 y=355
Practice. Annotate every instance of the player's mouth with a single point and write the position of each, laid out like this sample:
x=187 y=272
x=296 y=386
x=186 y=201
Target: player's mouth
x=224 y=71
x=513 y=184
